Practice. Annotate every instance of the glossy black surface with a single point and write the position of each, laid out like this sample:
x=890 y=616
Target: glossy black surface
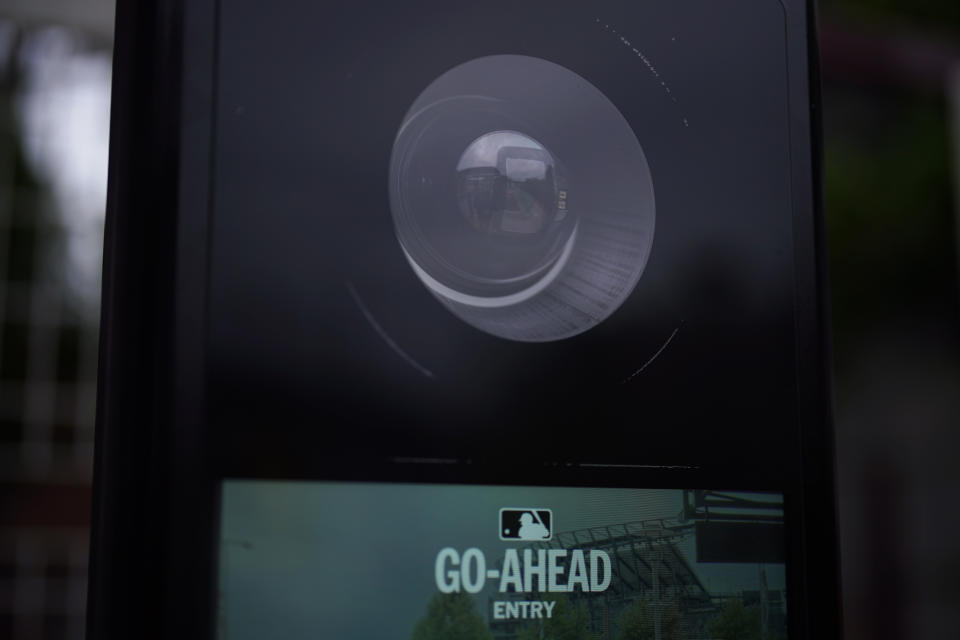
x=318 y=324
x=260 y=319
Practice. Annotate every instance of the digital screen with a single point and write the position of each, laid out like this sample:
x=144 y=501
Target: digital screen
x=420 y=561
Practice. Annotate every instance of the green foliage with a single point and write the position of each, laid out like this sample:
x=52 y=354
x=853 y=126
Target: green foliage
x=637 y=622
x=889 y=209
x=937 y=15
x=736 y=622
x=568 y=622
x=451 y=616
x=530 y=632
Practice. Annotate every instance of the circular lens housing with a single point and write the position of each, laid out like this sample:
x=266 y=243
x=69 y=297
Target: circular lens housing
x=525 y=207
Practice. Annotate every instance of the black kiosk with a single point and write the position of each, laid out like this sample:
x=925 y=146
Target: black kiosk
x=464 y=320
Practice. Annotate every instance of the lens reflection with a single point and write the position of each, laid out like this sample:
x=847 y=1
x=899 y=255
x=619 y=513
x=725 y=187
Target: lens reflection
x=526 y=208
x=486 y=215
x=507 y=184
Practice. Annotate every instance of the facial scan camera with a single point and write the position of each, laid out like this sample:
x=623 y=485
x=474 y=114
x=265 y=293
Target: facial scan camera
x=464 y=320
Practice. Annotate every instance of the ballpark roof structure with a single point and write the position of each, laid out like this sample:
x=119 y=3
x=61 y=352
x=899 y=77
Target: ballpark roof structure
x=643 y=554
x=646 y=563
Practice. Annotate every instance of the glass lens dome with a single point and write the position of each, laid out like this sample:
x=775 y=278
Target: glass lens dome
x=507 y=186
x=525 y=207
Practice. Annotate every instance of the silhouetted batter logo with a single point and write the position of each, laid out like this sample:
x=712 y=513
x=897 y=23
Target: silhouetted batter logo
x=526 y=524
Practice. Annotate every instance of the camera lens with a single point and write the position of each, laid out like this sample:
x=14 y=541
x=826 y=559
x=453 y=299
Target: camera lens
x=507 y=186
x=524 y=206
x=483 y=213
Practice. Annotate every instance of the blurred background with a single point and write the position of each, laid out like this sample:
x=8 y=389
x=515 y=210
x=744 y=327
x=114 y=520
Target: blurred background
x=891 y=76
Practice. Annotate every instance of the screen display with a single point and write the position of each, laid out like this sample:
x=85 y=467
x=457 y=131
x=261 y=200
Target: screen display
x=422 y=561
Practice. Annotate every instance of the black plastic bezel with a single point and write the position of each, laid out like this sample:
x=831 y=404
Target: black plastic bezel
x=152 y=572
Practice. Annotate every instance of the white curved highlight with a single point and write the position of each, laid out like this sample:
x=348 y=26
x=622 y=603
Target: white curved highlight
x=498 y=301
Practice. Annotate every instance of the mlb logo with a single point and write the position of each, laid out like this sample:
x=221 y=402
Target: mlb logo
x=530 y=524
